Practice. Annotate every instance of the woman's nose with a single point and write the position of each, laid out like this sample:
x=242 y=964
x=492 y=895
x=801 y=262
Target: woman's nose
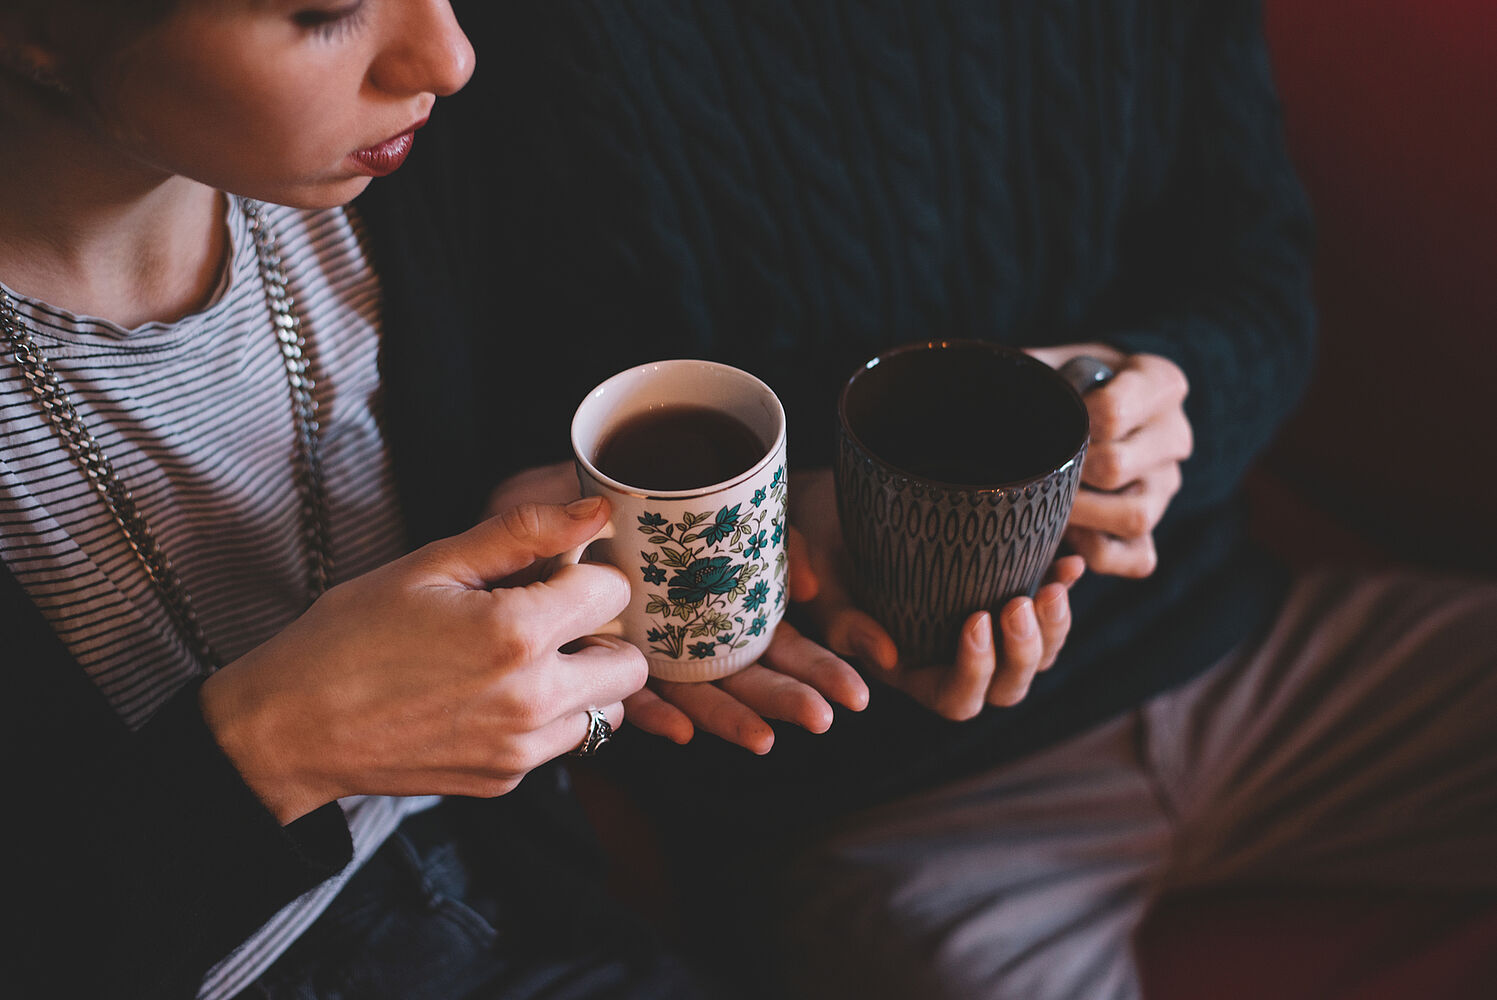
x=426 y=52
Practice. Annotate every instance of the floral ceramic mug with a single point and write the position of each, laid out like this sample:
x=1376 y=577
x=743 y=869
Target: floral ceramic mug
x=691 y=455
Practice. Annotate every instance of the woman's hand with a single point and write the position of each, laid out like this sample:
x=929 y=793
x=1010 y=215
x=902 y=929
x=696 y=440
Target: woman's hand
x=994 y=665
x=1140 y=435
x=795 y=681
x=430 y=675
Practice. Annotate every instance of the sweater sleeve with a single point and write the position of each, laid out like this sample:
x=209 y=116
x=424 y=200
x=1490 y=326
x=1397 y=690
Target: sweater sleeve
x=140 y=858
x=1218 y=279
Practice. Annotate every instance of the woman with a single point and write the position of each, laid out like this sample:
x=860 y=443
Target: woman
x=236 y=703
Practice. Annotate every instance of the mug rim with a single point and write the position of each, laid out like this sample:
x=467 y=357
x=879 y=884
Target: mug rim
x=948 y=343
x=774 y=448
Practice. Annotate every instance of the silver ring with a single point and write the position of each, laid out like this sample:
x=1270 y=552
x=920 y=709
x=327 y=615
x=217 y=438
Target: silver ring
x=1085 y=373
x=598 y=733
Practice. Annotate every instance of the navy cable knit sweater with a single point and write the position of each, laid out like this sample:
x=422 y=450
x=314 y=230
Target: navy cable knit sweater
x=792 y=187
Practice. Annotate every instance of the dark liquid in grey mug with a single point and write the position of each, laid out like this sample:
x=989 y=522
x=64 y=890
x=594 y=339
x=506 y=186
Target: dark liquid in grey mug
x=678 y=448
x=966 y=418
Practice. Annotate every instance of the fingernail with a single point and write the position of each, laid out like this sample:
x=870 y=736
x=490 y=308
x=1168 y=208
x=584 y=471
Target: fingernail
x=982 y=632
x=1055 y=610
x=1022 y=623
x=583 y=509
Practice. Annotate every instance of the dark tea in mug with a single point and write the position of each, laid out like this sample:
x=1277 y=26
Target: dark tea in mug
x=678 y=447
x=966 y=416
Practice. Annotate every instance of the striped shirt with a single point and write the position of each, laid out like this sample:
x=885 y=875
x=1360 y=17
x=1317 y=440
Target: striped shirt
x=195 y=417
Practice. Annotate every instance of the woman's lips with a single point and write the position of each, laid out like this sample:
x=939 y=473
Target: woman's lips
x=386 y=157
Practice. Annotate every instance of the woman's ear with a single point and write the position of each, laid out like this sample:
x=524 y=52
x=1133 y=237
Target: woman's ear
x=27 y=53
x=33 y=65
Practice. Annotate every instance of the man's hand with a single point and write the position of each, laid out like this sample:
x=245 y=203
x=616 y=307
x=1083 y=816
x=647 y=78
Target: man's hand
x=996 y=662
x=1140 y=435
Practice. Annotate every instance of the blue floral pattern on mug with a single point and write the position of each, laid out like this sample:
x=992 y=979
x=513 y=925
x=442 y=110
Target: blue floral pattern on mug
x=716 y=568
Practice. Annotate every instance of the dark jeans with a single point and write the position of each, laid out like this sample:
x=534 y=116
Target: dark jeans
x=484 y=900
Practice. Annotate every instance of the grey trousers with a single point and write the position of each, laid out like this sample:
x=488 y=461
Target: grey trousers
x=1355 y=746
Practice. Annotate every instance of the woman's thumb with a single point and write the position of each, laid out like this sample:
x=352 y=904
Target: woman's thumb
x=511 y=540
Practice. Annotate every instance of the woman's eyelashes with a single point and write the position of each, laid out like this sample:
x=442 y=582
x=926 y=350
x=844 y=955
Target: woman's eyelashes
x=330 y=23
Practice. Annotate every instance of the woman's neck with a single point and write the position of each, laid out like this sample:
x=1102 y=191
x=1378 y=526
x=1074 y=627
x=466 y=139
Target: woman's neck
x=77 y=231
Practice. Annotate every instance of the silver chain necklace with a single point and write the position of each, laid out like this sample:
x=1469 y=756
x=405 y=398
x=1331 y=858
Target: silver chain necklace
x=51 y=395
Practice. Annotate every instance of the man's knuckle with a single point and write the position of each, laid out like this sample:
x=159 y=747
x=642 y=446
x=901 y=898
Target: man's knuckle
x=1010 y=696
x=1178 y=383
x=1108 y=415
x=1135 y=521
x=510 y=646
x=1106 y=467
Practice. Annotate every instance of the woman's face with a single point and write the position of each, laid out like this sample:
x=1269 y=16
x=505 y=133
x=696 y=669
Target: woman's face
x=296 y=102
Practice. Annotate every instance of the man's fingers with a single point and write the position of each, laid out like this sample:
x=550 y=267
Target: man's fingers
x=855 y=633
x=960 y=688
x=1052 y=606
x=1132 y=511
x=1023 y=649
x=1112 y=463
x=1104 y=553
x=1066 y=570
x=1144 y=386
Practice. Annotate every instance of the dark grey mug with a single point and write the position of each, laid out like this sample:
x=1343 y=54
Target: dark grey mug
x=957 y=465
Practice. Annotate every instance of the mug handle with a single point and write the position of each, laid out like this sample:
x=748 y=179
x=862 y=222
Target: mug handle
x=1085 y=373
x=572 y=557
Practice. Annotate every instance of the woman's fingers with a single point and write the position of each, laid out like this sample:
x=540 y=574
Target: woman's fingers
x=652 y=713
x=795 y=682
x=508 y=542
x=567 y=733
x=719 y=713
x=804 y=582
x=599 y=671
x=813 y=665
x=577 y=600
x=772 y=695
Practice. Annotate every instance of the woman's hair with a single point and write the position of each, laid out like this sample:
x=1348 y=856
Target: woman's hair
x=95 y=21
x=89 y=31
x=124 y=13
